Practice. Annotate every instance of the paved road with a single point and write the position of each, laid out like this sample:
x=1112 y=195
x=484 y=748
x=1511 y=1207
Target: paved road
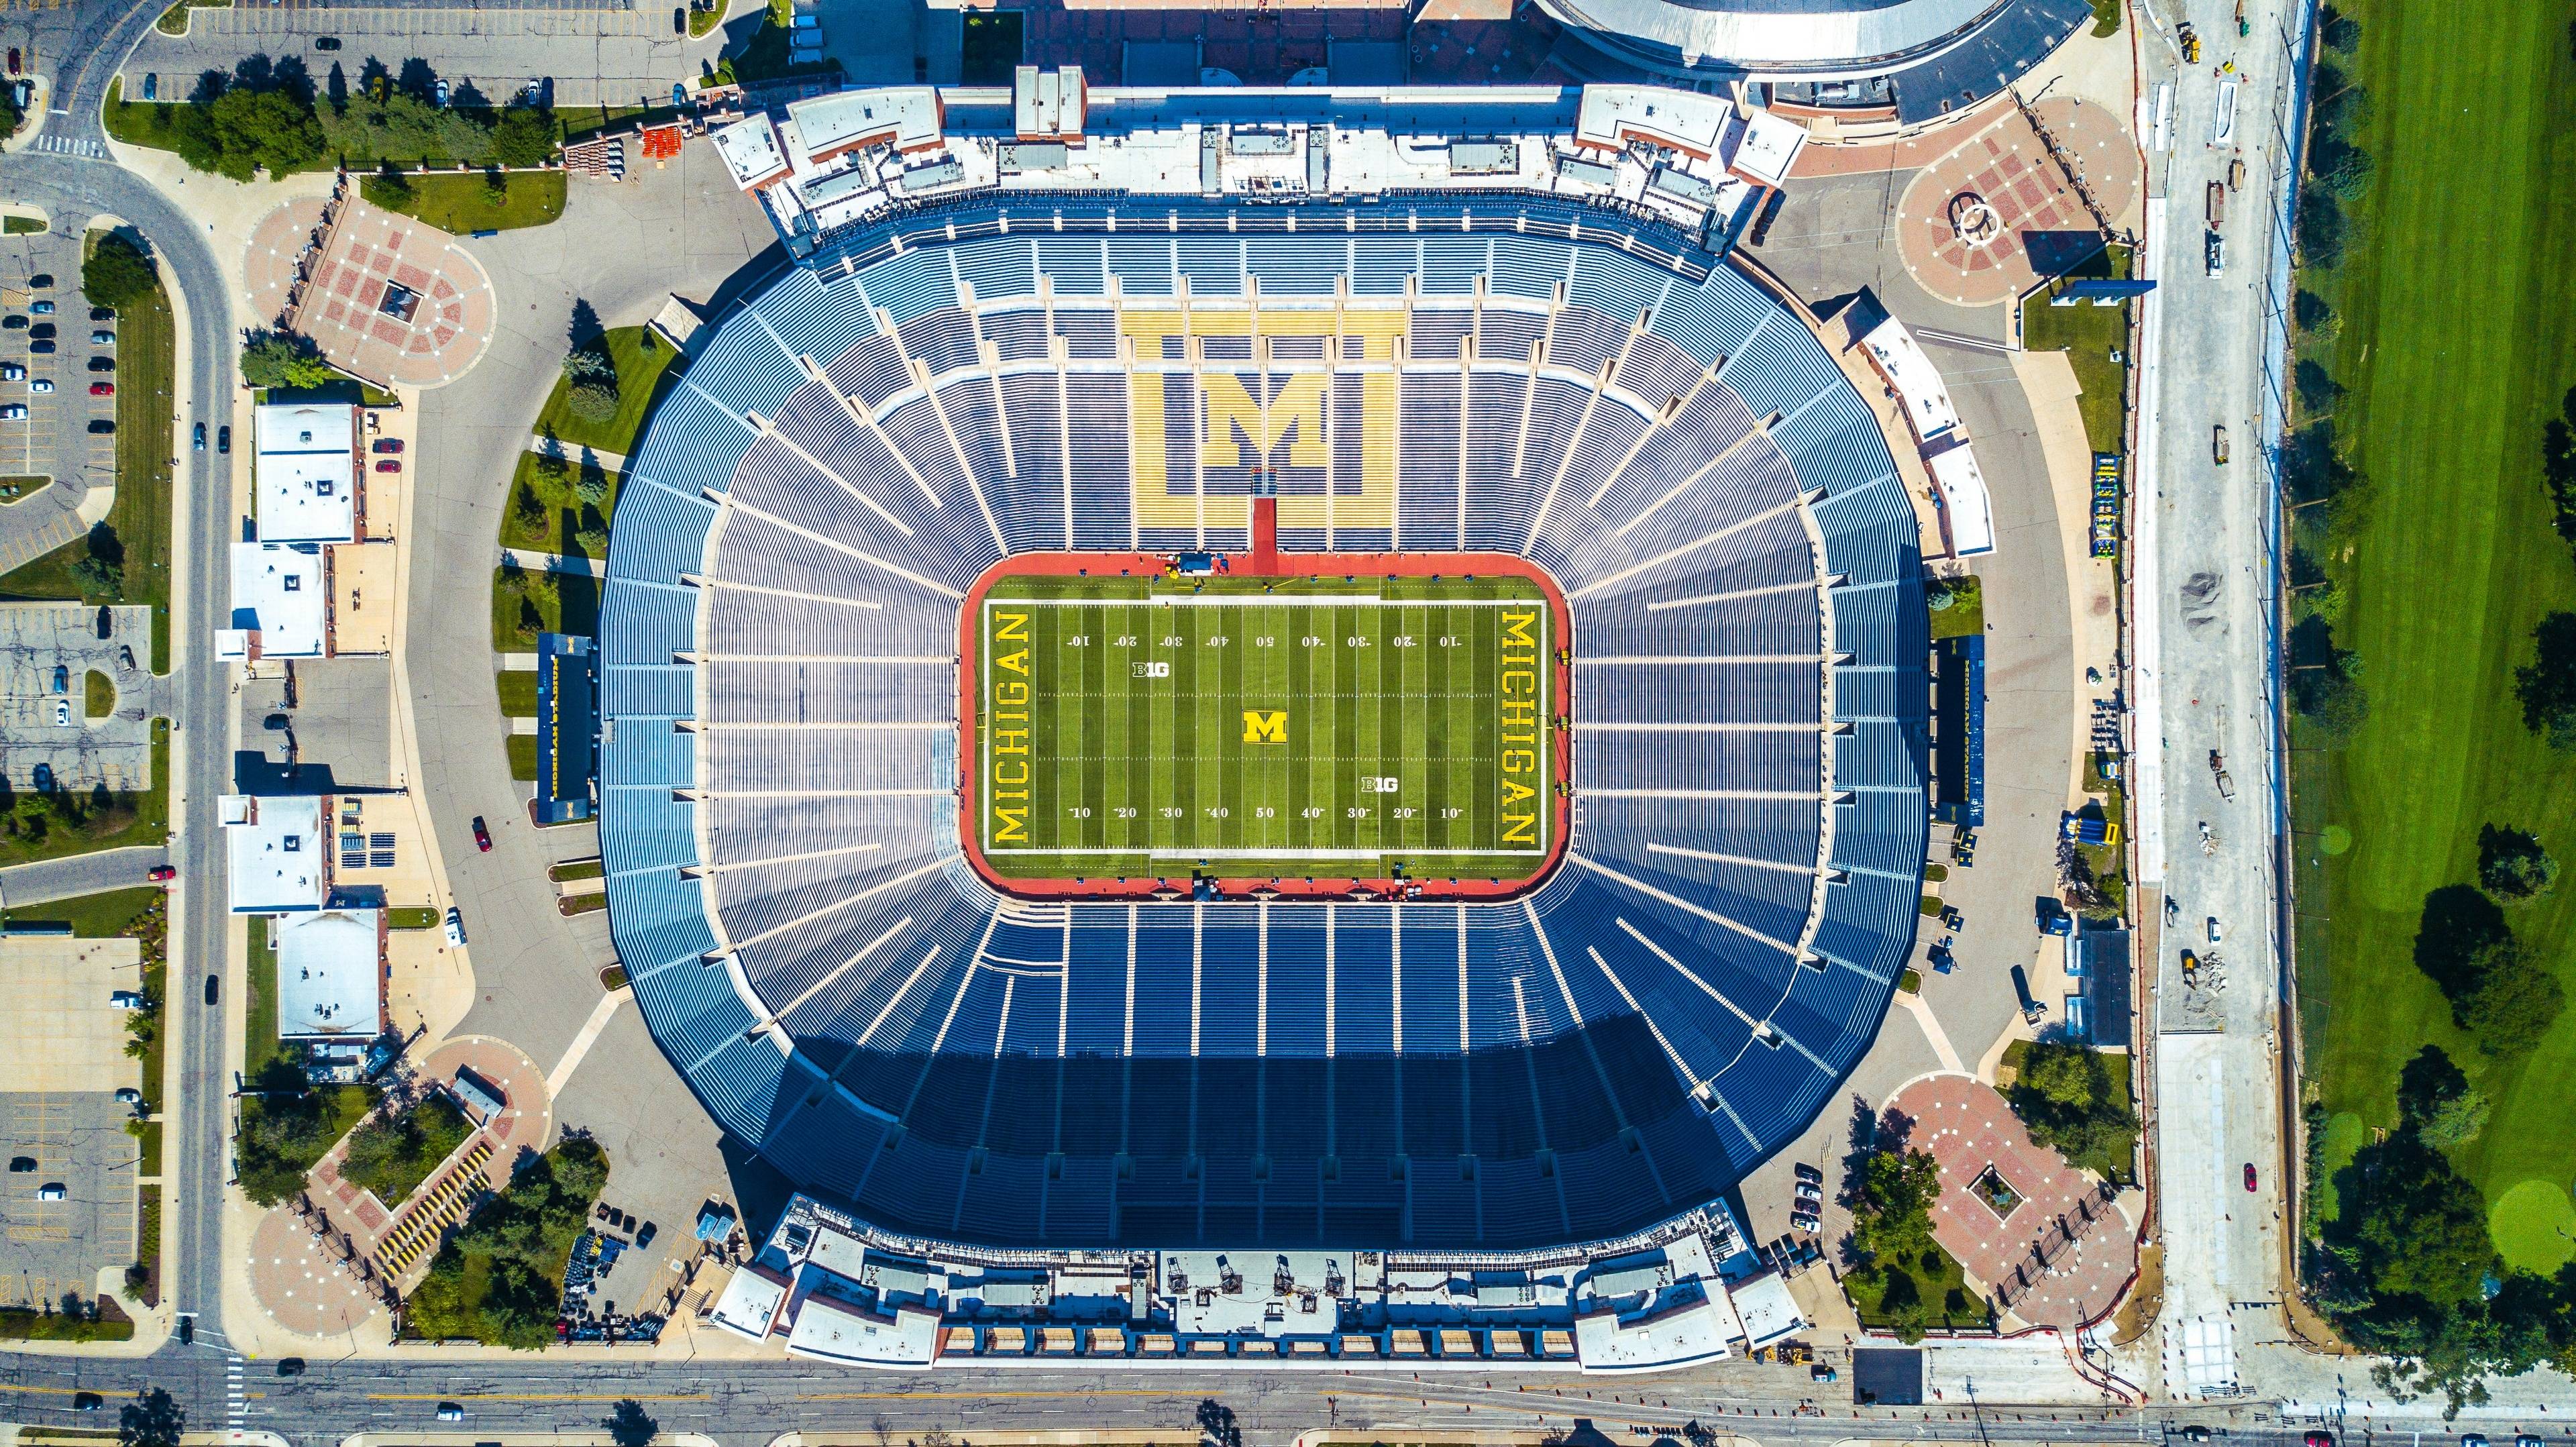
x=2205 y=584
x=52 y=879
x=71 y=186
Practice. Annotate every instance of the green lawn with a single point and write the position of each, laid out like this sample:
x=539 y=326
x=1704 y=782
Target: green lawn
x=570 y=606
x=146 y=357
x=523 y=757
x=93 y=916
x=1966 y=615
x=642 y=356
x=1300 y=727
x=560 y=516
x=460 y=203
x=20 y=1325
x=144 y=1276
x=568 y=873
x=518 y=692
x=98 y=695
x=23 y=226
x=2451 y=369
x=411 y=917
x=2088 y=334
x=1938 y=1280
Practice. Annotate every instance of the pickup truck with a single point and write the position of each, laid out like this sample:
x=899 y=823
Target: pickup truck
x=2214 y=249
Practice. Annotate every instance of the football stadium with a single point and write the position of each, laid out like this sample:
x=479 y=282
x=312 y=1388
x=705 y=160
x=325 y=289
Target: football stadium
x=1288 y=772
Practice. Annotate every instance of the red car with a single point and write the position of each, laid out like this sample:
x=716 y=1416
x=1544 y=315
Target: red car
x=388 y=465
x=102 y=389
x=389 y=444
x=2249 y=1175
x=2320 y=1439
x=164 y=873
x=482 y=836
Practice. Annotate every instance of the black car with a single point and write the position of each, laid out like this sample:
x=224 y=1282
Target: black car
x=21 y=1165
x=326 y=42
x=102 y=313
x=210 y=987
x=224 y=440
x=679 y=20
x=290 y=1366
x=13 y=323
x=101 y=427
x=41 y=329
x=102 y=364
x=274 y=723
x=41 y=349
x=87 y=1401
x=41 y=281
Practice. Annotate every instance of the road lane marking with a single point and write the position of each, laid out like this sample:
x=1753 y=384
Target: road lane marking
x=561 y=1075
x=539 y=1396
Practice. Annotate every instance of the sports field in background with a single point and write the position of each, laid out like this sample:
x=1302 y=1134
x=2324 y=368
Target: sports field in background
x=2457 y=341
x=1258 y=727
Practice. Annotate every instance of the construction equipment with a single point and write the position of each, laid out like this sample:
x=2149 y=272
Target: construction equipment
x=2218 y=444
x=2243 y=28
x=2190 y=44
x=2218 y=772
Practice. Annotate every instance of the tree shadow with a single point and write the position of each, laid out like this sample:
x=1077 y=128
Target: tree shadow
x=2460 y=930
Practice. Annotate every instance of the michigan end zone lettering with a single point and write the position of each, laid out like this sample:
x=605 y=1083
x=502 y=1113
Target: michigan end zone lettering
x=1008 y=732
x=1520 y=690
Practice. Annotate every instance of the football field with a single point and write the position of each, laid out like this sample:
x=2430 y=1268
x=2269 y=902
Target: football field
x=1264 y=727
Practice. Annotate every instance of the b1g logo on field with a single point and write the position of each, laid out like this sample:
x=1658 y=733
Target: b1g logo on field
x=1265 y=726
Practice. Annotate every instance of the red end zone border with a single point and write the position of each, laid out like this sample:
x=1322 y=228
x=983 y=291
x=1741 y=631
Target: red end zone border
x=1315 y=565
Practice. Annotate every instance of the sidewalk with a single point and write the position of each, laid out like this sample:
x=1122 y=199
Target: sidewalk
x=572 y=452
x=570 y=564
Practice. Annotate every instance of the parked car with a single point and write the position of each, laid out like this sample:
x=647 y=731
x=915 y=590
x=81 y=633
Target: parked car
x=389 y=444
x=276 y=723
x=103 y=337
x=449 y=1411
x=52 y=1191
x=2195 y=1433
x=151 y=85
x=2250 y=1178
x=482 y=836
x=1807 y=1172
x=214 y=985
x=679 y=21
x=98 y=426
x=102 y=389
x=42 y=307
x=2214 y=254
x=125 y=999
x=326 y=42
x=441 y=92
x=290 y=1366
x=14 y=412
x=13 y=60
x=102 y=364
x=13 y=323
x=163 y=873
x=41 y=281
x=224 y=440
x=41 y=386
x=12 y=372
x=44 y=348
x=62 y=713
x=387 y=464
x=102 y=313
x=644 y=1235
x=201 y=437
x=2473 y=1439
x=87 y=1401
x=21 y=1165
x=456 y=929
x=128 y=1095
x=1822 y=1373
x=42 y=331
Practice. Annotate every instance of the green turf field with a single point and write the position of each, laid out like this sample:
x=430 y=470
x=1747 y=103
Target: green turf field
x=1285 y=727
x=2458 y=340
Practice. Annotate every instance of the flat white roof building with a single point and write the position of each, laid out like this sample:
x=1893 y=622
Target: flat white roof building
x=281 y=604
x=1966 y=510
x=307 y=470
x=330 y=975
x=278 y=855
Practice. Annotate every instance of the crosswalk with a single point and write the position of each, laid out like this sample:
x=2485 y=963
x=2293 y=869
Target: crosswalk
x=71 y=146
x=235 y=1404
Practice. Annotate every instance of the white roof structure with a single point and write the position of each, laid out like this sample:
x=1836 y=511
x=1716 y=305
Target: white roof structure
x=1902 y=361
x=1696 y=1331
x=279 y=861
x=281 y=604
x=1762 y=1303
x=330 y=975
x=836 y=1330
x=841 y=159
x=1965 y=507
x=307 y=469
x=749 y=1306
x=1934 y=420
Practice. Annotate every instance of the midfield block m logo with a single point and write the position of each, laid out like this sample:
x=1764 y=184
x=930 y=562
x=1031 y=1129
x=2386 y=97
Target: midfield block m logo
x=1265 y=726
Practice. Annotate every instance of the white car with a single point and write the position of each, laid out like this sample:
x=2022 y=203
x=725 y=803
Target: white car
x=2213 y=929
x=125 y=1000
x=51 y=1191
x=14 y=412
x=449 y=1411
x=455 y=929
x=41 y=385
x=128 y=1095
x=62 y=713
x=12 y=372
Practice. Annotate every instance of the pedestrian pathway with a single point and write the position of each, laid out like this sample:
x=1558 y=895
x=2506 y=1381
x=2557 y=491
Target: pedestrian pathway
x=570 y=564
x=613 y=461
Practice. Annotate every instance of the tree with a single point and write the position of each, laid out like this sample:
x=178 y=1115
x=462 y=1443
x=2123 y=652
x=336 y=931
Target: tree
x=2435 y=1100
x=153 y=1419
x=98 y=577
x=264 y=130
x=117 y=274
x=2066 y=1096
x=2546 y=686
x=496 y=185
x=2325 y=681
x=590 y=482
x=524 y=136
x=1892 y=1220
x=2419 y=1227
x=628 y=1425
x=389 y=187
x=2512 y=866
x=2513 y=1005
x=282 y=359
x=1217 y=1424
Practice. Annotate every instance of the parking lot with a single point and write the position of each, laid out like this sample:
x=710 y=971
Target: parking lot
x=78 y=1142
x=47 y=652
x=41 y=306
